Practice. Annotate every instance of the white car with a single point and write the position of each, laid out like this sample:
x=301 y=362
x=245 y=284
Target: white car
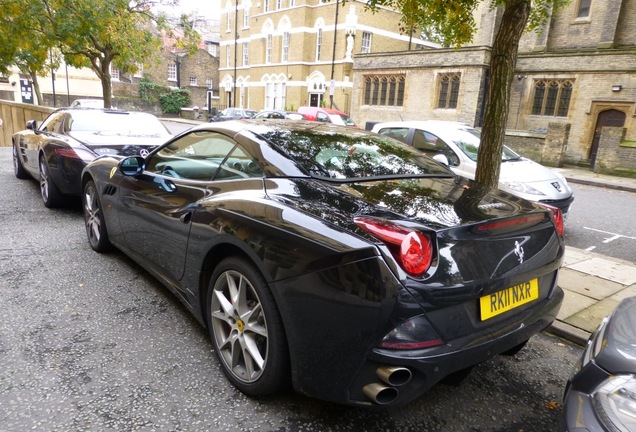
x=456 y=145
x=87 y=103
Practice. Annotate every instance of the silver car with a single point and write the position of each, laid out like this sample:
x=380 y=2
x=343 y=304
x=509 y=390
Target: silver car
x=456 y=145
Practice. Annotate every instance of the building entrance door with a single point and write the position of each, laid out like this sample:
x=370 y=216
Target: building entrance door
x=610 y=117
x=314 y=99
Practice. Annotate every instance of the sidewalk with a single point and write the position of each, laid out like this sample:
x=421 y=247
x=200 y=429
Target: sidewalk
x=593 y=284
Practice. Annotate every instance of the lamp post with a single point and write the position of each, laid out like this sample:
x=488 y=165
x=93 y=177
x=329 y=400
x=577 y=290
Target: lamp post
x=233 y=102
x=333 y=58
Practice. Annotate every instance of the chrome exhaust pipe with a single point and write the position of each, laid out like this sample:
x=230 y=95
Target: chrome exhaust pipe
x=394 y=375
x=380 y=394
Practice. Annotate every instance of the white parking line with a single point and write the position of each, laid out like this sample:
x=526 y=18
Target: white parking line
x=613 y=237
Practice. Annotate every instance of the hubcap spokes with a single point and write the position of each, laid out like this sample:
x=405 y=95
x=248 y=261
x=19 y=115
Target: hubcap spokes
x=239 y=326
x=91 y=210
x=44 y=181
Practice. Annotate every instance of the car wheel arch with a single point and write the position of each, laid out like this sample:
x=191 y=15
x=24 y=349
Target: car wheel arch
x=228 y=246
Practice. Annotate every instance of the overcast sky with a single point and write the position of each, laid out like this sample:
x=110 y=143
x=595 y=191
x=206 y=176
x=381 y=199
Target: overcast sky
x=208 y=8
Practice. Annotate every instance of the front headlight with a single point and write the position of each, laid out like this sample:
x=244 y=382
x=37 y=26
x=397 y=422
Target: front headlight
x=615 y=403
x=521 y=188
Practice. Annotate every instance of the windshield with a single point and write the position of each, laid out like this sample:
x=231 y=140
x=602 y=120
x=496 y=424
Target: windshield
x=342 y=120
x=109 y=123
x=468 y=142
x=352 y=155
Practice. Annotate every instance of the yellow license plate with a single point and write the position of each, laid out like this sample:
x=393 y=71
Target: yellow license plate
x=510 y=298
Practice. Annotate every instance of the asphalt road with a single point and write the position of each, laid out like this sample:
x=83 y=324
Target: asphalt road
x=600 y=221
x=92 y=342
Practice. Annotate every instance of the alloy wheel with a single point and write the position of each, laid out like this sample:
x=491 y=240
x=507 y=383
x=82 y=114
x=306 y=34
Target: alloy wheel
x=239 y=326
x=92 y=215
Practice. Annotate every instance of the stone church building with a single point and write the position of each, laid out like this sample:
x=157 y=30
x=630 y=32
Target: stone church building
x=576 y=75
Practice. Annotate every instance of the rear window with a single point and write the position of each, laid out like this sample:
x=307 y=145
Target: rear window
x=330 y=154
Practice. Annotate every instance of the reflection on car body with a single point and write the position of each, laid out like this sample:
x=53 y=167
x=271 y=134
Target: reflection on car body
x=347 y=263
x=456 y=145
x=56 y=151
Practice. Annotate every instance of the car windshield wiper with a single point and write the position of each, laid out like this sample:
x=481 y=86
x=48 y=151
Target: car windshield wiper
x=511 y=159
x=381 y=177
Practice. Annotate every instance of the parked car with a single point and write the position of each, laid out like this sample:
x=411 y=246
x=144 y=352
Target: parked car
x=326 y=115
x=277 y=114
x=601 y=394
x=349 y=264
x=56 y=151
x=456 y=145
x=233 y=114
x=87 y=103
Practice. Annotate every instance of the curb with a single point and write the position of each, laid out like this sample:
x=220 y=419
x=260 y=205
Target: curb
x=601 y=184
x=569 y=332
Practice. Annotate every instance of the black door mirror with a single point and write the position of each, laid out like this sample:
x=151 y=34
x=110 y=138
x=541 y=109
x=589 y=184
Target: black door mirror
x=132 y=166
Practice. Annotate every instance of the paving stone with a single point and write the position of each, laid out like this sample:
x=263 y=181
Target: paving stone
x=627 y=292
x=572 y=256
x=573 y=303
x=588 y=319
x=588 y=285
x=610 y=270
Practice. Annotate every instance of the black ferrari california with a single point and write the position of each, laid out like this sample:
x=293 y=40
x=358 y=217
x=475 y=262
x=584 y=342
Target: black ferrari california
x=56 y=151
x=343 y=262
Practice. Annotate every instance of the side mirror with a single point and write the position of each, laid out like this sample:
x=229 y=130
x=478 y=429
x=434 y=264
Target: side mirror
x=132 y=166
x=441 y=159
x=32 y=125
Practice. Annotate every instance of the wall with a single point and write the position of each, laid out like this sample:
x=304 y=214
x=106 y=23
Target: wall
x=13 y=118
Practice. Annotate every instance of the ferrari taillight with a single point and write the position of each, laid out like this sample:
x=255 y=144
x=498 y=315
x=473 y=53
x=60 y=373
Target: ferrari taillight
x=559 y=222
x=412 y=249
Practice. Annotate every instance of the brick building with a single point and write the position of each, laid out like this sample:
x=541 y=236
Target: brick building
x=579 y=70
x=278 y=54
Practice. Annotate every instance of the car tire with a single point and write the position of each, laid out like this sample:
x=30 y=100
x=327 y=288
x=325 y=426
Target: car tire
x=94 y=219
x=246 y=329
x=50 y=193
x=18 y=168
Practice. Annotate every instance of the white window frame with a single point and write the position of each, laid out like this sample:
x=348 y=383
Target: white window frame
x=193 y=81
x=228 y=21
x=208 y=83
x=172 y=72
x=246 y=53
x=318 y=44
x=268 y=49
x=114 y=73
x=246 y=16
x=285 y=47
x=366 y=43
x=227 y=55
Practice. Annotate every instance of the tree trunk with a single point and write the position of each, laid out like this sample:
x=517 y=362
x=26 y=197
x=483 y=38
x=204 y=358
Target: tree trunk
x=107 y=85
x=502 y=67
x=36 y=87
